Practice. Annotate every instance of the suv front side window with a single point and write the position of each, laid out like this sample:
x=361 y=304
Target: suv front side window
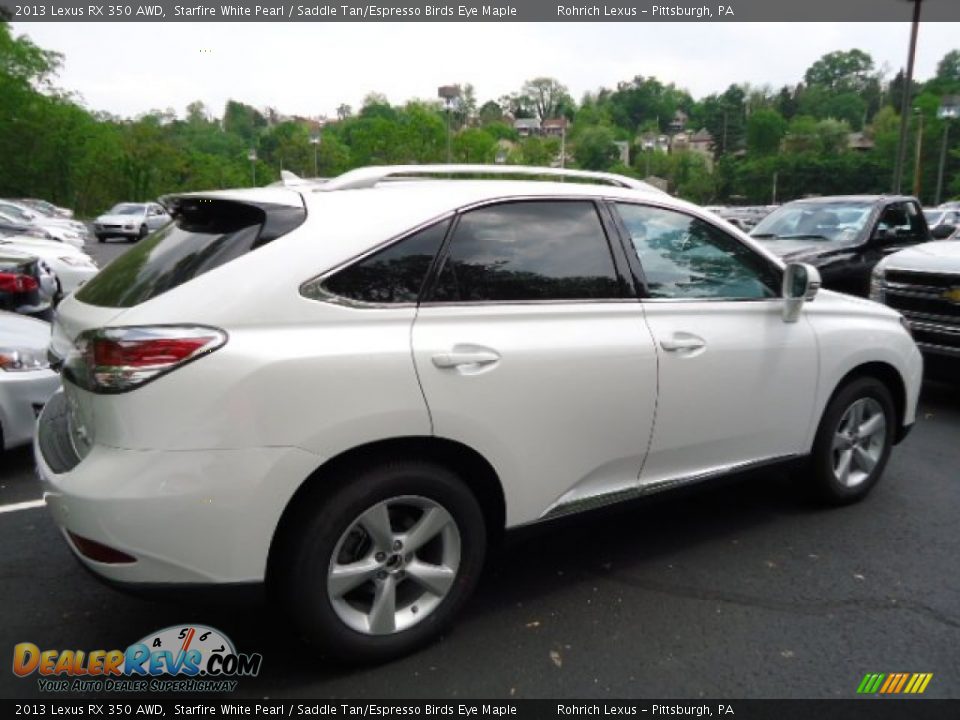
x=684 y=257
x=528 y=251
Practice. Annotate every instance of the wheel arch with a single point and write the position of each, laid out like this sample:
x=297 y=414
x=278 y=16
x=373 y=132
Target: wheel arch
x=890 y=377
x=476 y=471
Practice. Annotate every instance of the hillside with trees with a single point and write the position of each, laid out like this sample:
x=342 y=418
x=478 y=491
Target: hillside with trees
x=834 y=131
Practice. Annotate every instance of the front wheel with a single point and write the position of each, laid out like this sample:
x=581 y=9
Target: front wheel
x=853 y=442
x=380 y=566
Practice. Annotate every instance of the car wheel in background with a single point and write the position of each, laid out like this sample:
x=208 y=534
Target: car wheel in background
x=380 y=565
x=143 y=233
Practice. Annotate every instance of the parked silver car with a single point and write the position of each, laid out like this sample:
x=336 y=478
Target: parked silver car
x=26 y=380
x=132 y=221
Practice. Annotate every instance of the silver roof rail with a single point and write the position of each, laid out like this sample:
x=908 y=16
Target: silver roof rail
x=368 y=177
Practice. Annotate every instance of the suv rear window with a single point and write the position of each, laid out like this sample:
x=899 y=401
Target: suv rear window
x=206 y=234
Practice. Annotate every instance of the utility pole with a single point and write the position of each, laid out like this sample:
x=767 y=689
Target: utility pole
x=905 y=101
x=916 y=162
x=949 y=109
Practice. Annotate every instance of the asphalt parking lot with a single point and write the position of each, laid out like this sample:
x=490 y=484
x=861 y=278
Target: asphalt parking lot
x=736 y=591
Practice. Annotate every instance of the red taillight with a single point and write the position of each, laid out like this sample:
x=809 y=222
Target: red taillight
x=17 y=283
x=146 y=353
x=116 y=360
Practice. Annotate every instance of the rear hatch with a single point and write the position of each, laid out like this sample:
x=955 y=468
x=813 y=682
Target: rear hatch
x=208 y=231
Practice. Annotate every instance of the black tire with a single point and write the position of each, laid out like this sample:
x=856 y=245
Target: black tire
x=101 y=238
x=306 y=553
x=143 y=233
x=825 y=483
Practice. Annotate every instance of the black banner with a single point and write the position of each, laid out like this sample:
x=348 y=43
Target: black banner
x=862 y=709
x=471 y=11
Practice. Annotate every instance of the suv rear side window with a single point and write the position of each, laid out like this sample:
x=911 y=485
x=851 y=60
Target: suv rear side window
x=205 y=235
x=521 y=251
x=392 y=275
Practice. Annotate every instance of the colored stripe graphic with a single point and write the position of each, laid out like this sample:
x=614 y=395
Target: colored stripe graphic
x=894 y=683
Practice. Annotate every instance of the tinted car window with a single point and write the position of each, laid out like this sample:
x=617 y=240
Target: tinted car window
x=538 y=250
x=902 y=220
x=393 y=275
x=206 y=234
x=685 y=257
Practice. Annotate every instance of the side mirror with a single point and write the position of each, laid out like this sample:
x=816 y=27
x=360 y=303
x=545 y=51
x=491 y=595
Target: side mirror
x=800 y=284
x=942 y=232
x=882 y=235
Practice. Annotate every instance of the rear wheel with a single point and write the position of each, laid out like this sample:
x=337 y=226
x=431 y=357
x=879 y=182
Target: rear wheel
x=381 y=565
x=101 y=238
x=853 y=442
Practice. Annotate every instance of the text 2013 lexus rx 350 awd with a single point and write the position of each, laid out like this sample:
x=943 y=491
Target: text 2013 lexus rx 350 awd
x=347 y=390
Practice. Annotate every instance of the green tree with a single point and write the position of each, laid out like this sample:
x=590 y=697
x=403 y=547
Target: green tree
x=595 y=148
x=765 y=130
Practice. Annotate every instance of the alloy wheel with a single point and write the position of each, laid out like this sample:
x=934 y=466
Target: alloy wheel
x=859 y=442
x=394 y=565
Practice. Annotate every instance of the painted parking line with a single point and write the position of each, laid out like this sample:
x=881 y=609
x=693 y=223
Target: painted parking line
x=29 y=505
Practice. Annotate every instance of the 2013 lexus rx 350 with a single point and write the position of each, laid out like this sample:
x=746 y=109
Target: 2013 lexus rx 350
x=346 y=390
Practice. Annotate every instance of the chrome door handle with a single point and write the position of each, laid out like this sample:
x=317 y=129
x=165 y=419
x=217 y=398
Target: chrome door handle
x=683 y=342
x=459 y=358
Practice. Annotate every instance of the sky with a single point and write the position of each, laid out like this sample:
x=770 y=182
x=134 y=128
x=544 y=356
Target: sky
x=309 y=68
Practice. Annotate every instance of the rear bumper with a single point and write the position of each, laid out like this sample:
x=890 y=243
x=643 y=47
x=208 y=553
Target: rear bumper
x=22 y=395
x=186 y=517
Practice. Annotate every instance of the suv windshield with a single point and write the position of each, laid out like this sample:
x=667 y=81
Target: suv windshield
x=126 y=209
x=830 y=221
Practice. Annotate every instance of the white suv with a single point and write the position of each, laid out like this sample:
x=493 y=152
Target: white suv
x=348 y=390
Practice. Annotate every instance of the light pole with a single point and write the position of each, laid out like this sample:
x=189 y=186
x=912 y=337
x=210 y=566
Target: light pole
x=905 y=101
x=948 y=110
x=315 y=141
x=252 y=157
x=449 y=95
x=916 y=162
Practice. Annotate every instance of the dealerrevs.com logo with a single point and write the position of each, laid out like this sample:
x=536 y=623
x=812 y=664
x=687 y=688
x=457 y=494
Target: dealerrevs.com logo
x=182 y=658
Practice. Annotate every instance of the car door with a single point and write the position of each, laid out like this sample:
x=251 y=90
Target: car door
x=736 y=382
x=156 y=217
x=900 y=224
x=532 y=350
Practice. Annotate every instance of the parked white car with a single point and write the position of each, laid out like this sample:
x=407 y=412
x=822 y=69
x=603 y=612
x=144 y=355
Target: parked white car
x=63 y=229
x=26 y=381
x=131 y=221
x=349 y=390
x=70 y=266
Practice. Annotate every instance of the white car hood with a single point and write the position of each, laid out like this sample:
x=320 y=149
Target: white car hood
x=937 y=256
x=19 y=331
x=25 y=243
x=119 y=219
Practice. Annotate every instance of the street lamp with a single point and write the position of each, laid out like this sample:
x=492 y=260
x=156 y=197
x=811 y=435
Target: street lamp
x=315 y=141
x=252 y=157
x=905 y=101
x=949 y=109
x=449 y=95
